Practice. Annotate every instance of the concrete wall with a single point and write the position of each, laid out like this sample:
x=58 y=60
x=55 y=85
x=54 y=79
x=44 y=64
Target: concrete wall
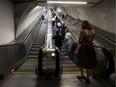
x=102 y=15
x=7 y=33
x=28 y=18
x=15 y=18
x=19 y=9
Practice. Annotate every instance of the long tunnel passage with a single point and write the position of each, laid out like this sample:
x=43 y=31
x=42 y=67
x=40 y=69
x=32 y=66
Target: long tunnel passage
x=22 y=34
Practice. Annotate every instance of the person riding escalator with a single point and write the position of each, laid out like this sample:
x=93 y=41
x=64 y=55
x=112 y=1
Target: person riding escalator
x=58 y=40
x=86 y=58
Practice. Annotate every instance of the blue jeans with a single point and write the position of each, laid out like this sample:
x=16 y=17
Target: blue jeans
x=59 y=28
x=67 y=48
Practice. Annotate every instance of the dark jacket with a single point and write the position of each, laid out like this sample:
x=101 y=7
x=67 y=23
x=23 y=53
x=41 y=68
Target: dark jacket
x=58 y=40
x=63 y=29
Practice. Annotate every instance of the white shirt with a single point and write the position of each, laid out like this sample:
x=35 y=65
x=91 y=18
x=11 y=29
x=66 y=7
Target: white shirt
x=68 y=36
x=59 y=24
x=53 y=19
x=46 y=16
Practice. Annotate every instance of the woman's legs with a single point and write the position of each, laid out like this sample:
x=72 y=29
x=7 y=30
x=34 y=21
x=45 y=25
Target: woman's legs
x=81 y=70
x=87 y=78
x=82 y=75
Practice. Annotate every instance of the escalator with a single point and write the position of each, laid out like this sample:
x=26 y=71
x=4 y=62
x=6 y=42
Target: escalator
x=105 y=58
x=28 y=67
x=69 y=67
x=105 y=65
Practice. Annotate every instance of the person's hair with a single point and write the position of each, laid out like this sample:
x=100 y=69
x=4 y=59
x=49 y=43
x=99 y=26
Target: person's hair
x=63 y=24
x=57 y=32
x=67 y=30
x=86 y=25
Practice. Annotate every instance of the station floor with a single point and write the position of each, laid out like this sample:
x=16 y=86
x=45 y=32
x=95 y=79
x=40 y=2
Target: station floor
x=66 y=80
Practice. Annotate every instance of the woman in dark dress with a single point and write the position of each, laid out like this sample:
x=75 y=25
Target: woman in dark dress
x=86 y=58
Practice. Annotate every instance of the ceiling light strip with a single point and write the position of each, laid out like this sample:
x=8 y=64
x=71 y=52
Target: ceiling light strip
x=65 y=2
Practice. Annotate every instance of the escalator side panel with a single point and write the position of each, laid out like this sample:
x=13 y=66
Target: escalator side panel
x=32 y=59
x=105 y=60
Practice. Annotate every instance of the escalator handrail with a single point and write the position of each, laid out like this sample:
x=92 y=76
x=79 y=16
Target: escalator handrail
x=106 y=52
x=57 y=70
x=73 y=41
x=57 y=60
x=111 y=64
x=97 y=34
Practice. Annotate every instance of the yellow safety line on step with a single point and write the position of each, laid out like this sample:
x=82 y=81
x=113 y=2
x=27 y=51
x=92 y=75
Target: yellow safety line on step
x=71 y=72
x=70 y=68
x=68 y=64
x=23 y=72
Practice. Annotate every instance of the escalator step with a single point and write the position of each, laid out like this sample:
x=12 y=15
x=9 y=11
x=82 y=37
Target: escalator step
x=33 y=53
x=67 y=62
x=33 y=56
x=63 y=59
x=23 y=73
x=63 y=47
x=34 y=49
x=26 y=70
x=38 y=43
x=63 y=54
x=70 y=65
x=40 y=39
x=70 y=69
x=36 y=46
x=30 y=62
x=63 y=50
x=28 y=67
x=76 y=72
x=31 y=59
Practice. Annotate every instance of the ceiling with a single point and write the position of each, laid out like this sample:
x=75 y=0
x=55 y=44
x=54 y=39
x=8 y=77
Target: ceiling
x=43 y=3
x=72 y=0
x=90 y=3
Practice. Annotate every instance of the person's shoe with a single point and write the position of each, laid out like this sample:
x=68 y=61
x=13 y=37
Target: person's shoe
x=87 y=80
x=80 y=77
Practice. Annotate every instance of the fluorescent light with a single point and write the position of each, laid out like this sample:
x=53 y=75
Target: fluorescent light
x=53 y=54
x=65 y=2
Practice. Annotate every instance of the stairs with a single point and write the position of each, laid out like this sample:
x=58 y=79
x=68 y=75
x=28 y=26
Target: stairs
x=69 y=67
x=28 y=67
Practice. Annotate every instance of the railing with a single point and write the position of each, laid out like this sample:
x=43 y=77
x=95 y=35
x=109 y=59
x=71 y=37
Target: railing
x=40 y=70
x=14 y=53
x=105 y=59
x=48 y=47
x=100 y=38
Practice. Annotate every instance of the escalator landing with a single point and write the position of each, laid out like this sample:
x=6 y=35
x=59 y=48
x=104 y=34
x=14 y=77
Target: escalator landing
x=66 y=80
